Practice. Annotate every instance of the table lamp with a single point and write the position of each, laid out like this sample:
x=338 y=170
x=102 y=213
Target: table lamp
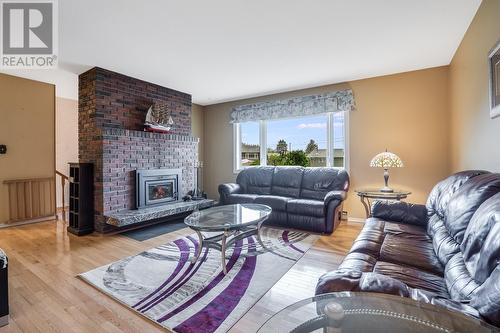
x=386 y=160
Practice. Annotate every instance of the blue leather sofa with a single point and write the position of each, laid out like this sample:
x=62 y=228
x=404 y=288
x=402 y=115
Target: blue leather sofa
x=308 y=199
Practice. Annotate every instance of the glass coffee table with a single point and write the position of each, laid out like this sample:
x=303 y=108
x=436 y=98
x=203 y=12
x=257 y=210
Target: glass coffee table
x=229 y=223
x=348 y=312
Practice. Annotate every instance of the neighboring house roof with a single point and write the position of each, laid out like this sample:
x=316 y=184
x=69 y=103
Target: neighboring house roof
x=321 y=153
x=246 y=148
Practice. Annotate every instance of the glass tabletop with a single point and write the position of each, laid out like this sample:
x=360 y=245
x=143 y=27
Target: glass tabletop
x=372 y=192
x=370 y=312
x=227 y=217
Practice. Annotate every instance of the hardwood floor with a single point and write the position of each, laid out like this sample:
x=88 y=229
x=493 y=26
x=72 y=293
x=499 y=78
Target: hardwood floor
x=45 y=296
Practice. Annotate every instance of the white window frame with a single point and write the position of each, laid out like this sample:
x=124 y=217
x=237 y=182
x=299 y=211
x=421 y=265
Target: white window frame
x=263 y=143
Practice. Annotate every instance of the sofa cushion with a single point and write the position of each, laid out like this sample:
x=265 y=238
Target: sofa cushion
x=286 y=181
x=413 y=277
x=370 y=239
x=400 y=211
x=317 y=182
x=444 y=245
x=481 y=244
x=464 y=203
x=241 y=198
x=404 y=230
x=486 y=301
x=278 y=219
x=306 y=207
x=437 y=202
x=256 y=180
x=273 y=201
x=415 y=251
x=358 y=261
x=459 y=282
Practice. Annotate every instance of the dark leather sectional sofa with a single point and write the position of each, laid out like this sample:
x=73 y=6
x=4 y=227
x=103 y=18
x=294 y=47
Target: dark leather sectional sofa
x=308 y=199
x=4 y=290
x=446 y=252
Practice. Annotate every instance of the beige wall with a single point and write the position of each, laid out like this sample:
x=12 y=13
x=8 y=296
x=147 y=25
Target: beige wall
x=406 y=113
x=27 y=128
x=66 y=141
x=197 y=129
x=474 y=136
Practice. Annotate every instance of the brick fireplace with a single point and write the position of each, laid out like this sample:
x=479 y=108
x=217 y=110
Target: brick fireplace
x=112 y=108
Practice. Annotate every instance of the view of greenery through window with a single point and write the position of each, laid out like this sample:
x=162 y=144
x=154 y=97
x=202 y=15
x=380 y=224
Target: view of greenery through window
x=296 y=141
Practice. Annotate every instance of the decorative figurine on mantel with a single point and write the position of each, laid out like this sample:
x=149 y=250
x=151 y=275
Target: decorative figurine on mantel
x=159 y=118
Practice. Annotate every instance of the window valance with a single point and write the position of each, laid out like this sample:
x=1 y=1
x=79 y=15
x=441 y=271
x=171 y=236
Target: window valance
x=337 y=101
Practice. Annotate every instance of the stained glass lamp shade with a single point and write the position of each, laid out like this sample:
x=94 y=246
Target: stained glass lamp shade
x=386 y=160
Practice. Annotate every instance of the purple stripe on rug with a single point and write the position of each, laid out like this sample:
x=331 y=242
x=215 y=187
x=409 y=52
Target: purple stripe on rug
x=210 y=286
x=183 y=257
x=287 y=242
x=214 y=314
x=174 y=287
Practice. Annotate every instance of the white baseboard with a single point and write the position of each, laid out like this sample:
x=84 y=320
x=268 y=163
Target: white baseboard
x=356 y=219
x=40 y=219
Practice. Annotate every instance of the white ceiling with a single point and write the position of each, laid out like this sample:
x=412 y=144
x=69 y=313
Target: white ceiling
x=223 y=50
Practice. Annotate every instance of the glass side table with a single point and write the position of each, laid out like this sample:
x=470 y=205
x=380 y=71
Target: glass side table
x=366 y=195
x=348 y=312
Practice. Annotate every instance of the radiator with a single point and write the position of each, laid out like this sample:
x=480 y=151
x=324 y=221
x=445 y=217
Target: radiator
x=31 y=199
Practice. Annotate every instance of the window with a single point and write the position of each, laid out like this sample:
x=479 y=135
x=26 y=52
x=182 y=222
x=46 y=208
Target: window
x=248 y=144
x=314 y=141
x=338 y=140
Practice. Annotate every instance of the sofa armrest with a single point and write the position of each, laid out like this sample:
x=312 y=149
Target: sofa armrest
x=338 y=281
x=353 y=280
x=335 y=195
x=225 y=190
x=333 y=202
x=399 y=211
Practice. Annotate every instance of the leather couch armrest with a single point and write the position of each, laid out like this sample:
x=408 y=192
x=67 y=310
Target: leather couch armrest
x=338 y=280
x=333 y=202
x=225 y=190
x=353 y=280
x=399 y=211
x=335 y=195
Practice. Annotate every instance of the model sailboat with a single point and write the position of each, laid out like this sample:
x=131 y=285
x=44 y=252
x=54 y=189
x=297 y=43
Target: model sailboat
x=158 y=119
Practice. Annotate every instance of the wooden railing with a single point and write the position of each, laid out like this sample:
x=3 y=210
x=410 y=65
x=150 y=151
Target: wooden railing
x=64 y=179
x=31 y=199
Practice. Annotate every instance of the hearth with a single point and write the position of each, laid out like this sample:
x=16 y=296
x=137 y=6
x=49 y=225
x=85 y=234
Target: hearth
x=157 y=187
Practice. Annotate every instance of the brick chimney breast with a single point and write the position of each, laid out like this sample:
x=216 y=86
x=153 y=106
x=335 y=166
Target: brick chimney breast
x=111 y=112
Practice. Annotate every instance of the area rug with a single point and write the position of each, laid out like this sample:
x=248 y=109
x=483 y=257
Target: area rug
x=163 y=285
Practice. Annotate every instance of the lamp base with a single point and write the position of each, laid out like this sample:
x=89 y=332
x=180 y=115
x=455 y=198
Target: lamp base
x=386 y=189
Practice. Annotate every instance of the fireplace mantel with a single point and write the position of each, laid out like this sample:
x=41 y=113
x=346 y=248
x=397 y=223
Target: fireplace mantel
x=110 y=131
